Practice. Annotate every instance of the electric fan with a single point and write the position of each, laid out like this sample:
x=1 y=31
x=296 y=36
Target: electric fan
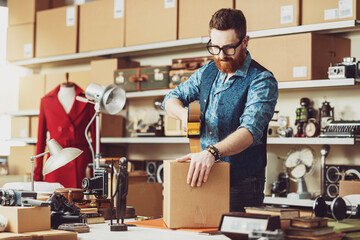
x=300 y=163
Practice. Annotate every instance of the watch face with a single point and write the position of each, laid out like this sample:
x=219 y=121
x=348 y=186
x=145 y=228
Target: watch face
x=311 y=129
x=283 y=121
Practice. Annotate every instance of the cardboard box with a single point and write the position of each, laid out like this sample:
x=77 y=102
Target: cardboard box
x=23 y=12
x=194 y=207
x=52 y=80
x=274 y=13
x=20 y=44
x=14 y=236
x=322 y=11
x=102 y=71
x=19 y=159
x=348 y=187
x=299 y=56
x=22 y=219
x=112 y=125
x=34 y=126
x=53 y=235
x=102 y=25
x=150 y=21
x=20 y=127
x=81 y=78
x=57 y=31
x=31 y=90
x=194 y=23
x=146 y=198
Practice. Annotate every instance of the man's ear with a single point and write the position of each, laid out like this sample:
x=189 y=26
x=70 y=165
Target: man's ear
x=246 y=40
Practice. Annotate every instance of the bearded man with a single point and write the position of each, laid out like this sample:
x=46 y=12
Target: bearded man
x=237 y=99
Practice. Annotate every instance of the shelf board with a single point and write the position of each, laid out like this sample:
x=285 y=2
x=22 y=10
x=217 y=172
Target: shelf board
x=24 y=140
x=122 y=51
x=311 y=141
x=145 y=140
x=319 y=83
x=176 y=45
x=21 y=113
x=147 y=93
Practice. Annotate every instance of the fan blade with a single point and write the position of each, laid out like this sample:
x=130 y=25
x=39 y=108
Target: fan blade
x=307 y=157
x=292 y=160
x=299 y=171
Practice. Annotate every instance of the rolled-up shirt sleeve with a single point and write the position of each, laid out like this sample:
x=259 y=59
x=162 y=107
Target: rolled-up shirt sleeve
x=259 y=108
x=187 y=91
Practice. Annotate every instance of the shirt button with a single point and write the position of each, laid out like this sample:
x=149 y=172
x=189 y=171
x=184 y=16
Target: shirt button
x=210 y=133
x=205 y=100
x=59 y=128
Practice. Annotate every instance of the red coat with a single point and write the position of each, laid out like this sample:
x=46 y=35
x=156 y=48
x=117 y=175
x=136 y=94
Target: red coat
x=69 y=131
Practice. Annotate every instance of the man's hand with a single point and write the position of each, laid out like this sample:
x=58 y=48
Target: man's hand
x=200 y=167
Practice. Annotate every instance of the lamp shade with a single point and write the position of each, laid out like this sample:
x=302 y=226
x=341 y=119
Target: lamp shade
x=112 y=98
x=59 y=156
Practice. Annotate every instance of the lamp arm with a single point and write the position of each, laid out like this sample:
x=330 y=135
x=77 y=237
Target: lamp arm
x=89 y=142
x=37 y=156
x=32 y=158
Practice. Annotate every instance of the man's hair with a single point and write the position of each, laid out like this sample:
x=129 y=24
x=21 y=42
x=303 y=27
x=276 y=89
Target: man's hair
x=226 y=18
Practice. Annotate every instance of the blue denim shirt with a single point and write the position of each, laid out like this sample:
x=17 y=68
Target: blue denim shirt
x=250 y=92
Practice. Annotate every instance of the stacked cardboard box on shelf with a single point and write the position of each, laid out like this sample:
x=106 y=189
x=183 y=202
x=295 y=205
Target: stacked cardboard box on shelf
x=150 y=26
x=57 y=31
x=323 y=11
x=307 y=57
x=19 y=159
x=194 y=23
x=271 y=14
x=21 y=30
x=31 y=90
x=102 y=25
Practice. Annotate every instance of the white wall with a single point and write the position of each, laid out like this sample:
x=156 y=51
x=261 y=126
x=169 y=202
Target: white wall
x=9 y=80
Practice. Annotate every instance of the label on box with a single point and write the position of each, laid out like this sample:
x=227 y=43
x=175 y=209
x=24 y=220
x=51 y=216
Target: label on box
x=330 y=14
x=169 y=3
x=287 y=14
x=158 y=76
x=70 y=16
x=28 y=50
x=299 y=71
x=345 y=8
x=118 y=8
x=120 y=79
x=24 y=133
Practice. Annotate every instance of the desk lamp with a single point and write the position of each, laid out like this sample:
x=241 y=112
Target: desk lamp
x=109 y=100
x=58 y=157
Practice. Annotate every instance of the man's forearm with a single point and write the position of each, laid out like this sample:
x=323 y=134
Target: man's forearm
x=175 y=108
x=235 y=143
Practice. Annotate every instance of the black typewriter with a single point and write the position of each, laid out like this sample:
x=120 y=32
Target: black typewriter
x=345 y=129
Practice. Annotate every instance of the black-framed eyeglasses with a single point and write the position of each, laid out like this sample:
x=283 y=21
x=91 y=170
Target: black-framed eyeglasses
x=227 y=50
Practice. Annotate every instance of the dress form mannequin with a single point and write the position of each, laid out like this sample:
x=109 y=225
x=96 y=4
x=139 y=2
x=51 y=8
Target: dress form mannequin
x=66 y=96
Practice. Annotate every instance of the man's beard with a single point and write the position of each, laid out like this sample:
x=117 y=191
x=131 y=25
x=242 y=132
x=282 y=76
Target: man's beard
x=229 y=64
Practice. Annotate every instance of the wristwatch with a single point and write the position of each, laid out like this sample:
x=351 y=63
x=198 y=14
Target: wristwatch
x=214 y=151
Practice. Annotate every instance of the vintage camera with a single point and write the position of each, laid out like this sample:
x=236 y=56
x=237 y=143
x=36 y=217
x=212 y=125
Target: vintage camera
x=10 y=197
x=349 y=68
x=97 y=185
